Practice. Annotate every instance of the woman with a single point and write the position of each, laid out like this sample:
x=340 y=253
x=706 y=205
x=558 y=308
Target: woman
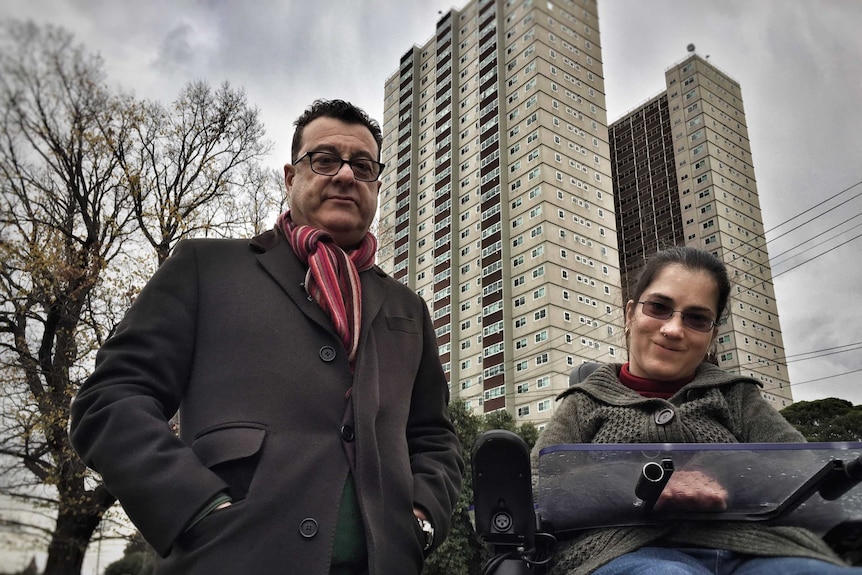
x=671 y=322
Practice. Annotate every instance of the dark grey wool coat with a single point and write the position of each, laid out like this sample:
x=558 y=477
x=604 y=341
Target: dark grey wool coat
x=225 y=332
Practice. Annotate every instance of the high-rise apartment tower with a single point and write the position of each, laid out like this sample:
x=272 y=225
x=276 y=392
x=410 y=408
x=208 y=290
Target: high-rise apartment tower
x=496 y=204
x=683 y=174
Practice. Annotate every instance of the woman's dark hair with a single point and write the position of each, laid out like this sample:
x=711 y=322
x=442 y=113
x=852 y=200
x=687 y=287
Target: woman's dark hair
x=689 y=258
x=340 y=110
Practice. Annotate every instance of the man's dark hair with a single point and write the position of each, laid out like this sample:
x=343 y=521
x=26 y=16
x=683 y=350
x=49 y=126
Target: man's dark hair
x=340 y=110
x=689 y=258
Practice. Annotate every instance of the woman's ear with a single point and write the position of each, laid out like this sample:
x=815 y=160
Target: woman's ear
x=712 y=352
x=630 y=310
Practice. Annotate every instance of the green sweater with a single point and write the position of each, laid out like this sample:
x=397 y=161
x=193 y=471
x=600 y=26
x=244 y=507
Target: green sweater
x=716 y=407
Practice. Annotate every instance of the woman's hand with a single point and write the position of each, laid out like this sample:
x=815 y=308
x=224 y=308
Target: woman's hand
x=692 y=491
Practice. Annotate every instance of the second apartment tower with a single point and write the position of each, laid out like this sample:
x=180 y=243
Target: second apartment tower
x=683 y=175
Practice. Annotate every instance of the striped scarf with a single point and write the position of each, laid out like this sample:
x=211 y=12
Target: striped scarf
x=333 y=276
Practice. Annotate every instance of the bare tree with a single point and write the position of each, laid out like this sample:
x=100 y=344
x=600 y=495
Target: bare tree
x=262 y=199
x=64 y=221
x=91 y=183
x=190 y=165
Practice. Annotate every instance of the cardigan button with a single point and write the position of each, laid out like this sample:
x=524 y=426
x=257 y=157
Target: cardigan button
x=308 y=528
x=327 y=353
x=664 y=416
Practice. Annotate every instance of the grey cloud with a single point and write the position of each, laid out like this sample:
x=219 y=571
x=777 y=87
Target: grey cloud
x=176 y=50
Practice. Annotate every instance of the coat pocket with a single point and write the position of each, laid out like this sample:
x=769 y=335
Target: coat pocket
x=231 y=451
x=405 y=324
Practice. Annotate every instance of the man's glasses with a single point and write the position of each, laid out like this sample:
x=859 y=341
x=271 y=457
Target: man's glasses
x=327 y=164
x=695 y=321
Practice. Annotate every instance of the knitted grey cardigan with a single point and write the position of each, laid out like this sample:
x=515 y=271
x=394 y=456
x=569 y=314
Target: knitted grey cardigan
x=716 y=407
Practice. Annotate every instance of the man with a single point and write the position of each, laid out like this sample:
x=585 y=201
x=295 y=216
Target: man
x=314 y=429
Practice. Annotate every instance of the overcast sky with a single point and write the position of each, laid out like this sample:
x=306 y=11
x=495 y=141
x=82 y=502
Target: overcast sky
x=799 y=63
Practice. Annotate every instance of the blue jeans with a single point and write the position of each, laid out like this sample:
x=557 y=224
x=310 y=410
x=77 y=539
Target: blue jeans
x=661 y=561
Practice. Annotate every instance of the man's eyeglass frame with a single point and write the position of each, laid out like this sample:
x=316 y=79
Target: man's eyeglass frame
x=351 y=163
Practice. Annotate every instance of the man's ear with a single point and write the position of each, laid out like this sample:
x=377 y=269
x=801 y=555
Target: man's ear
x=289 y=173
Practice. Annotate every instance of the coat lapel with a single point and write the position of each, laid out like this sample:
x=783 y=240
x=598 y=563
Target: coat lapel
x=281 y=263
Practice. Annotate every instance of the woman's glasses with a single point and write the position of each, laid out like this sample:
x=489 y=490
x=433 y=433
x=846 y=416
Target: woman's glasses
x=695 y=321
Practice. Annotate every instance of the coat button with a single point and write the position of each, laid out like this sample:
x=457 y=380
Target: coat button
x=664 y=416
x=308 y=528
x=327 y=353
x=347 y=433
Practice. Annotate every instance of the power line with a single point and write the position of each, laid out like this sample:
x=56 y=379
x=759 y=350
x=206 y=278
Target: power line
x=826 y=377
x=782 y=272
x=773 y=259
x=835 y=207
x=825 y=351
x=820 y=354
x=752 y=247
x=799 y=215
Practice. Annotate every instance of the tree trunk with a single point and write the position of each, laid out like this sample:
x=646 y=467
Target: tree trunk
x=69 y=543
x=80 y=513
x=67 y=548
